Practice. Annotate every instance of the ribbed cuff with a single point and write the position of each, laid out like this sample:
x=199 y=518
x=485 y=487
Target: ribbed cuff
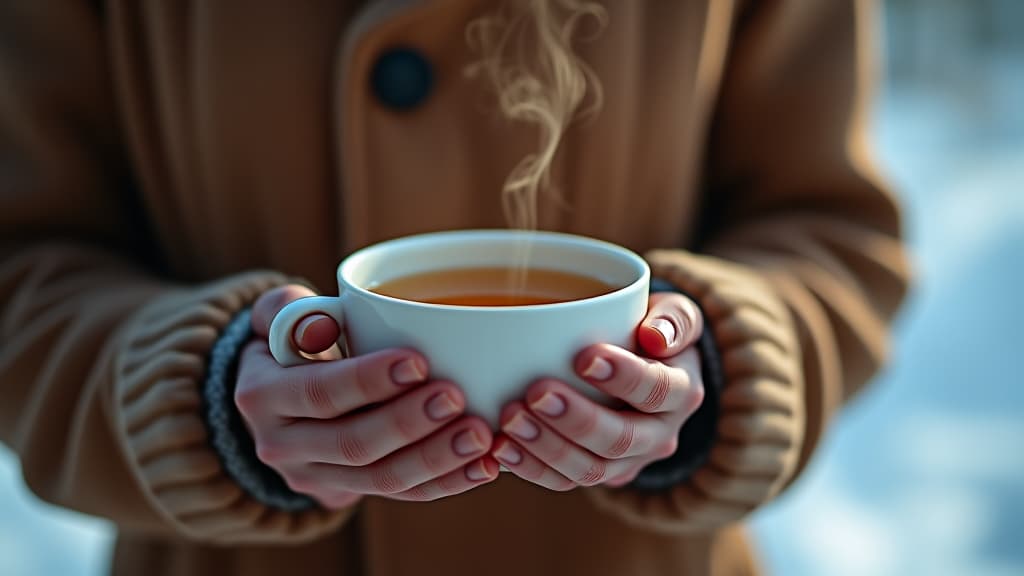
x=169 y=349
x=758 y=414
x=698 y=434
x=228 y=435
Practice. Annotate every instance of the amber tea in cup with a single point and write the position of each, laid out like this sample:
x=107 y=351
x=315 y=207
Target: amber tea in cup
x=493 y=287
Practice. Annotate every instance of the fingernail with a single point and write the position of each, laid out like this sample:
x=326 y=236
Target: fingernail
x=508 y=454
x=476 y=471
x=307 y=323
x=409 y=371
x=550 y=404
x=468 y=443
x=521 y=427
x=666 y=328
x=599 y=369
x=442 y=406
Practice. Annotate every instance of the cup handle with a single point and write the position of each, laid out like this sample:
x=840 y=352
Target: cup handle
x=282 y=348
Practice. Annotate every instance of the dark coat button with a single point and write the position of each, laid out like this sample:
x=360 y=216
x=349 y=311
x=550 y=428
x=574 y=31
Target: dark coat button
x=402 y=78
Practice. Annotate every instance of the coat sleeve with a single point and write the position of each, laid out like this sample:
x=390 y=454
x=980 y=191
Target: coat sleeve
x=101 y=360
x=800 y=265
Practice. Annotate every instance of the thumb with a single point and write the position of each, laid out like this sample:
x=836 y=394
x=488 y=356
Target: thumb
x=673 y=322
x=314 y=334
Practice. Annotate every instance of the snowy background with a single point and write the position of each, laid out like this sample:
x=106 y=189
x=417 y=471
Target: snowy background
x=924 y=473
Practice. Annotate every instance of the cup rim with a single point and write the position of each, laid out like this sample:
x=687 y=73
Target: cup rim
x=348 y=265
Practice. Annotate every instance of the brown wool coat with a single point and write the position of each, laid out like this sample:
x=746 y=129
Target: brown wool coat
x=156 y=159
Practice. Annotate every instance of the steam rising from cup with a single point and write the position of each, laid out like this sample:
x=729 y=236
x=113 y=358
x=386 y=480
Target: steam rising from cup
x=526 y=53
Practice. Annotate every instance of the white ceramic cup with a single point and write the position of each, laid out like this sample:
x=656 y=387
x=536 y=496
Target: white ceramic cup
x=491 y=353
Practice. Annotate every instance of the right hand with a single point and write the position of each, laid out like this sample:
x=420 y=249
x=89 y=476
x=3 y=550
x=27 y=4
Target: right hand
x=339 y=428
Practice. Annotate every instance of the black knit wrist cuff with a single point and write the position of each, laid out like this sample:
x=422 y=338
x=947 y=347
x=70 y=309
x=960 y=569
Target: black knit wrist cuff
x=228 y=435
x=698 y=434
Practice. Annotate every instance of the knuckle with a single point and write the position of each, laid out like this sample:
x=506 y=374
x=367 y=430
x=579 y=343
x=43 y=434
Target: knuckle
x=406 y=423
x=625 y=440
x=352 y=448
x=694 y=398
x=300 y=483
x=586 y=423
x=384 y=480
x=660 y=387
x=629 y=476
x=559 y=451
x=594 y=475
x=532 y=469
x=667 y=448
x=314 y=393
x=432 y=460
x=633 y=382
x=420 y=493
x=363 y=374
x=270 y=453
x=248 y=396
x=448 y=484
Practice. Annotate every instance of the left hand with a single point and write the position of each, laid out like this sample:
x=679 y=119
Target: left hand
x=560 y=439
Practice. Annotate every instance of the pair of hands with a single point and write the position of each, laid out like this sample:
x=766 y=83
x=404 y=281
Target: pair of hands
x=377 y=424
